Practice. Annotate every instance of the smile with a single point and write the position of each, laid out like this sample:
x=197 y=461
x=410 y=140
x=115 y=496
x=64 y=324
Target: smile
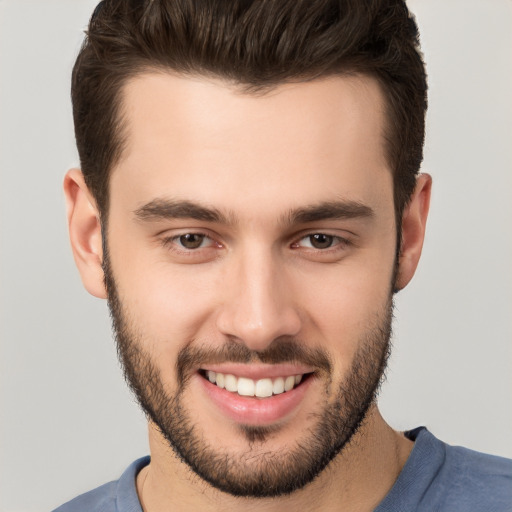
x=261 y=388
x=256 y=394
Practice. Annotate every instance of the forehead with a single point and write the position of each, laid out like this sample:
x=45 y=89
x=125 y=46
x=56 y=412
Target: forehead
x=205 y=140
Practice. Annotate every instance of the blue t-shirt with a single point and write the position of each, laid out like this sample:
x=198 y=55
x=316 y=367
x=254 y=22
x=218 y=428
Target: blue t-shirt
x=436 y=478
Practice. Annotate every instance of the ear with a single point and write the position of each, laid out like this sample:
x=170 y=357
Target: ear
x=85 y=232
x=414 y=220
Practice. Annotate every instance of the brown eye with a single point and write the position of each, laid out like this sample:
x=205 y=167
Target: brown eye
x=191 y=240
x=321 y=241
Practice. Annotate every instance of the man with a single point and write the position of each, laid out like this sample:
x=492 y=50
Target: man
x=249 y=202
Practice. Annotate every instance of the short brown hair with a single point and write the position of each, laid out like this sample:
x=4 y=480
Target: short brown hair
x=255 y=44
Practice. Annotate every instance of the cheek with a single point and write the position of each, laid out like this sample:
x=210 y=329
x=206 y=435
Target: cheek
x=166 y=305
x=344 y=307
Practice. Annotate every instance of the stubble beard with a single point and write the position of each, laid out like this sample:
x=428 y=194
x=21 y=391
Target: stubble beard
x=257 y=472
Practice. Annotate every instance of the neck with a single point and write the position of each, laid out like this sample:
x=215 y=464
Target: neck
x=357 y=479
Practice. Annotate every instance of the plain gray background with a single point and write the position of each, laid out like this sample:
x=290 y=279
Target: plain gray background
x=67 y=421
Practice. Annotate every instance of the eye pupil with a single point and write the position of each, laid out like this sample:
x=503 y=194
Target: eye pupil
x=321 y=241
x=191 y=240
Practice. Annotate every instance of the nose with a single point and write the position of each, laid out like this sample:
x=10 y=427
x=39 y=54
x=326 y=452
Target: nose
x=258 y=304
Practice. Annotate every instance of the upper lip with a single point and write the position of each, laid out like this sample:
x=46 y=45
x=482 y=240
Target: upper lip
x=257 y=371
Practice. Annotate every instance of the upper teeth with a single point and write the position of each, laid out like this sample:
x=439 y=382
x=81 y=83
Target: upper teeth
x=261 y=388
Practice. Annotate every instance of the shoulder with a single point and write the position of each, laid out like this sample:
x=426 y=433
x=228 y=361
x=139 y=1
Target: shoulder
x=101 y=499
x=481 y=481
x=443 y=478
x=116 y=496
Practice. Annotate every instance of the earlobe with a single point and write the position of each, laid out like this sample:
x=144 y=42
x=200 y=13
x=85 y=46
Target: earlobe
x=414 y=220
x=84 y=232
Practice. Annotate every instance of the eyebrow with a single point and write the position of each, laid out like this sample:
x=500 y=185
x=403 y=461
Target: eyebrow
x=331 y=210
x=165 y=209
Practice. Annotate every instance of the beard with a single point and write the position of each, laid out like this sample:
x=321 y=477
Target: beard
x=258 y=472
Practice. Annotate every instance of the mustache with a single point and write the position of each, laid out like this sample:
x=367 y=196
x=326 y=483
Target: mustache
x=281 y=350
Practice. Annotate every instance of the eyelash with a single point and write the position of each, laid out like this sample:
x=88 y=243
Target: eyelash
x=173 y=241
x=338 y=242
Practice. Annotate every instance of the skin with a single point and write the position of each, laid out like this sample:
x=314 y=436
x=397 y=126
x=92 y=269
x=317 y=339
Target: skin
x=254 y=158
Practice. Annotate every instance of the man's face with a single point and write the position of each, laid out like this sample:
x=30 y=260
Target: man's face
x=251 y=250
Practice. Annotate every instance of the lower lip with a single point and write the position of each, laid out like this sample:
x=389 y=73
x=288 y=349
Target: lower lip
x=256 y=411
